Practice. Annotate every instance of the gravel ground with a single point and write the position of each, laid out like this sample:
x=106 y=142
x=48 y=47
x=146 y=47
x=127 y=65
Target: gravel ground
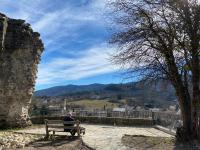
x=9 y=140
x=17 y=141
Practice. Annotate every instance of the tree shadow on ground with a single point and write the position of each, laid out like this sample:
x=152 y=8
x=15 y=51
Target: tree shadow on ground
x=147 y=142
x=192 y=145
x=158 y=143
x=54 y=142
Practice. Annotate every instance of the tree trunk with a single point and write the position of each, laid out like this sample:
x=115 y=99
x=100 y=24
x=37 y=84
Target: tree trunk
x=183 y=96
x=196 y=116
x=184 y=133
x=195 y=96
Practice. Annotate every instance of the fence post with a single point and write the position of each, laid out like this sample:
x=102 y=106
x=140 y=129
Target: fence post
x=153 y=116
x=46 y=127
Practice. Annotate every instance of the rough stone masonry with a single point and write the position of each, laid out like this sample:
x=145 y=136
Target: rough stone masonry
x=20 y=51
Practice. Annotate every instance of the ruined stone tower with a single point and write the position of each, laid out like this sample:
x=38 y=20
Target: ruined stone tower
x=20 y=51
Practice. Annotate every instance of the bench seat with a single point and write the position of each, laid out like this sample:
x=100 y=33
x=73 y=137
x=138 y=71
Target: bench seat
x=58 y=126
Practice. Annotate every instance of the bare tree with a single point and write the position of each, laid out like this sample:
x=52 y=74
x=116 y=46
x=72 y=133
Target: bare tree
x=161 y=39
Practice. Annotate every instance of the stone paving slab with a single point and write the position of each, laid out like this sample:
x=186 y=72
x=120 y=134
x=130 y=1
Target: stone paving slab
x=103 y=137
x=166 y=130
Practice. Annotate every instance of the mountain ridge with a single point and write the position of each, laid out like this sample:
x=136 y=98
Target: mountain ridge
x=161 y=93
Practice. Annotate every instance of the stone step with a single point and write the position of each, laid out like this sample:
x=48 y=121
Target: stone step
x=166 y=130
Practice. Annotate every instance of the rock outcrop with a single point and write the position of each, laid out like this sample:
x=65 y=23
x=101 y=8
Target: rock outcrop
x=20 y=51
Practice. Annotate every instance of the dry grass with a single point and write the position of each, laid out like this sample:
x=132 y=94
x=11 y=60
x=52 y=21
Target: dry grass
x=94 y=103
x=156 y=143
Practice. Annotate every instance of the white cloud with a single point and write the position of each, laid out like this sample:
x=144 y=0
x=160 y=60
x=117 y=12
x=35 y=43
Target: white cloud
x=56 y=23
x=63 y=23
x=94 y=61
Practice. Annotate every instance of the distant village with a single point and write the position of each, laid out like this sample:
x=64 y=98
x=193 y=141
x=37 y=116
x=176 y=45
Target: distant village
x=56 y=106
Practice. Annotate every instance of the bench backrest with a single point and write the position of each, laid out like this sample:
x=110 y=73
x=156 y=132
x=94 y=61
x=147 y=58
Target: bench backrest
x=60 y=122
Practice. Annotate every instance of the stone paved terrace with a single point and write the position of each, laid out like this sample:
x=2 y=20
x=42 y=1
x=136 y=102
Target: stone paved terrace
x=103 y=137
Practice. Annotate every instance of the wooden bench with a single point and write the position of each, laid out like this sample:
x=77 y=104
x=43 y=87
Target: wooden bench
x=63 y=126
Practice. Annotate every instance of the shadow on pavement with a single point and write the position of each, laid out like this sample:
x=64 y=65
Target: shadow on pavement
x=54 y=142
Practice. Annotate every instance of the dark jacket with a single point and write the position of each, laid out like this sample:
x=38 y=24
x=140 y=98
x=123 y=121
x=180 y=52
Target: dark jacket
x=68 y=118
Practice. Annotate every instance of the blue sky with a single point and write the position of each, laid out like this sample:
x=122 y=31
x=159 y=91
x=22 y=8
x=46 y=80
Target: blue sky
x=75 y=35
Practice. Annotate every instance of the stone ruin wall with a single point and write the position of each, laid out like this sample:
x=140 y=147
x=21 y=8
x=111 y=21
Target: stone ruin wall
x=20 y=51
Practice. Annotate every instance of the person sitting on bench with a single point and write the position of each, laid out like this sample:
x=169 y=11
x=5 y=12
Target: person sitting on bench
x=68 y=118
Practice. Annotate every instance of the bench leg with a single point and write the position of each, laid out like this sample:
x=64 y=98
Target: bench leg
x=47 y=131
x=78 y=128
x=47 y=135
x=53 y=136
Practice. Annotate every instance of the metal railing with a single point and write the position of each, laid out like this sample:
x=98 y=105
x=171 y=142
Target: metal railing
x=171 y=120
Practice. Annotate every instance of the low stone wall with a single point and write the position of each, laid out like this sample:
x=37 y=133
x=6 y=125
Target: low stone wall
x=117 y=121
x=100 y=120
